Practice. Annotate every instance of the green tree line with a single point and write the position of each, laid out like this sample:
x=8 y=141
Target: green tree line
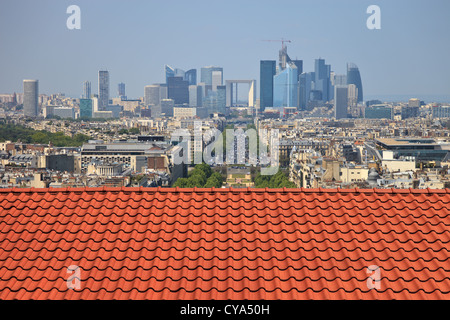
x=201 y=177
x=14 y=133
x=279 y=180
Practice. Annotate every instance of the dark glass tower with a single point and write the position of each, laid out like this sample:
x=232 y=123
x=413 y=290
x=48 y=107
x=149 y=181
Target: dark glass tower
x=267 y=71
x=178 y=90
x=191 y=77
x=354 y=77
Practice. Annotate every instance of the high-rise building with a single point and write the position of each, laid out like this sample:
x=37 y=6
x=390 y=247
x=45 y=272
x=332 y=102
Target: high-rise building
x=178 y=90
x=86 y=108
x=173 y=72
x=267 y=71
x=352 y=95
x=221 y=99
x=322 y=81
x=340 y=102
x=86 y=90
x=191 y=77
x=217 y=79
x=30 y=98
x=306 y=85
x=378 y=111
x=285 y=87
x=121 y=89
x=354 y=77
x=167 y=106
x=153 y=94
x=103 y=89
x=206 y=74
x=195 y=96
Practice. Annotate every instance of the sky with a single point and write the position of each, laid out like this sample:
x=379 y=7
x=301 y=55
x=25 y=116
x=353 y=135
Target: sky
x=134 y=39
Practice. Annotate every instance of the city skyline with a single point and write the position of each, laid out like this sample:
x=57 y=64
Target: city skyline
x=406 y=57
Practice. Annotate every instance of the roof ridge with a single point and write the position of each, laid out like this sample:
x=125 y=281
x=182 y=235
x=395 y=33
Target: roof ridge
x=232 y=190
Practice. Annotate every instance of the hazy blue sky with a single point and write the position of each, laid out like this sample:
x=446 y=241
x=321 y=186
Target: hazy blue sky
x=134 y=39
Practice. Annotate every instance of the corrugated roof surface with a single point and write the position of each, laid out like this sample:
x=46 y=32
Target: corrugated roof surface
x=134 y=243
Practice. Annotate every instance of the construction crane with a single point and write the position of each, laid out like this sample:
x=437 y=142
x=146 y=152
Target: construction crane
x=282 y=42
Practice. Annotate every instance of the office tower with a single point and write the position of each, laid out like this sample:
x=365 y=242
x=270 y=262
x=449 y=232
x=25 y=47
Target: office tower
x=176 y=72
x=195 y=96
x=103 y=89
x=352 y=95
x=221 y=99
x=86 y=108
x=191 y=77
x=216 y=79
x=267 y=71
x=178 y=90
x=30 y=98
x=285 y=87
x=354 y=77
x=378 y=111
x=153 y=94
x=86 y=90
x=340 y=80
x=95 y=104
x=306 y=84
x=121 y=89
x=322 y=81
x=167 y=106
x=206 y=74
x=340 y=102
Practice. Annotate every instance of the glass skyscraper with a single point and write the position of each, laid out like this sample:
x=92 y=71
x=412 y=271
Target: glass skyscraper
x=30 y=98
x=266 y=73
x=354 y=77
x=103 y=89
x=86 y=90
x=340 y=102
x=285 y=87
x=178 y=90
x=206 y=74
x=191 y=77
x=322 y=81
x=121 y=89
x=85 y=108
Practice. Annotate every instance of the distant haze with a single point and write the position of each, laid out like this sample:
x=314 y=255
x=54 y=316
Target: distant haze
x=134 y=39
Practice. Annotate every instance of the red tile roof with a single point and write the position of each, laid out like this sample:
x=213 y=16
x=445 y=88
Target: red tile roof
x=134 y=243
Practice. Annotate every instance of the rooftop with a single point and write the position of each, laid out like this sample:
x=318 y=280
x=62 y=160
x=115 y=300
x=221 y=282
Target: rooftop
x=156 y=243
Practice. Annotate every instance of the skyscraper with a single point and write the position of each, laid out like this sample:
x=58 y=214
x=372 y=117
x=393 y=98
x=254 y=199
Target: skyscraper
x=86 y=90
x=191 y=77
x=322 y=81
x=30 y=98
x=178 y=90
x=121 y=89
x=306 y=84
x=267 y=70
x=285 y=87
x=173 y=72
x=195 y=96
x=217 y=79
x=340 y=102
x=354 y=77
x=206 y=74
x=86 y=109
x=103 y=89
x=153 y=94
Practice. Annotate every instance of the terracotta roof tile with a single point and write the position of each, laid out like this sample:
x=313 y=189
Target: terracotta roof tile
x=135 y=243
